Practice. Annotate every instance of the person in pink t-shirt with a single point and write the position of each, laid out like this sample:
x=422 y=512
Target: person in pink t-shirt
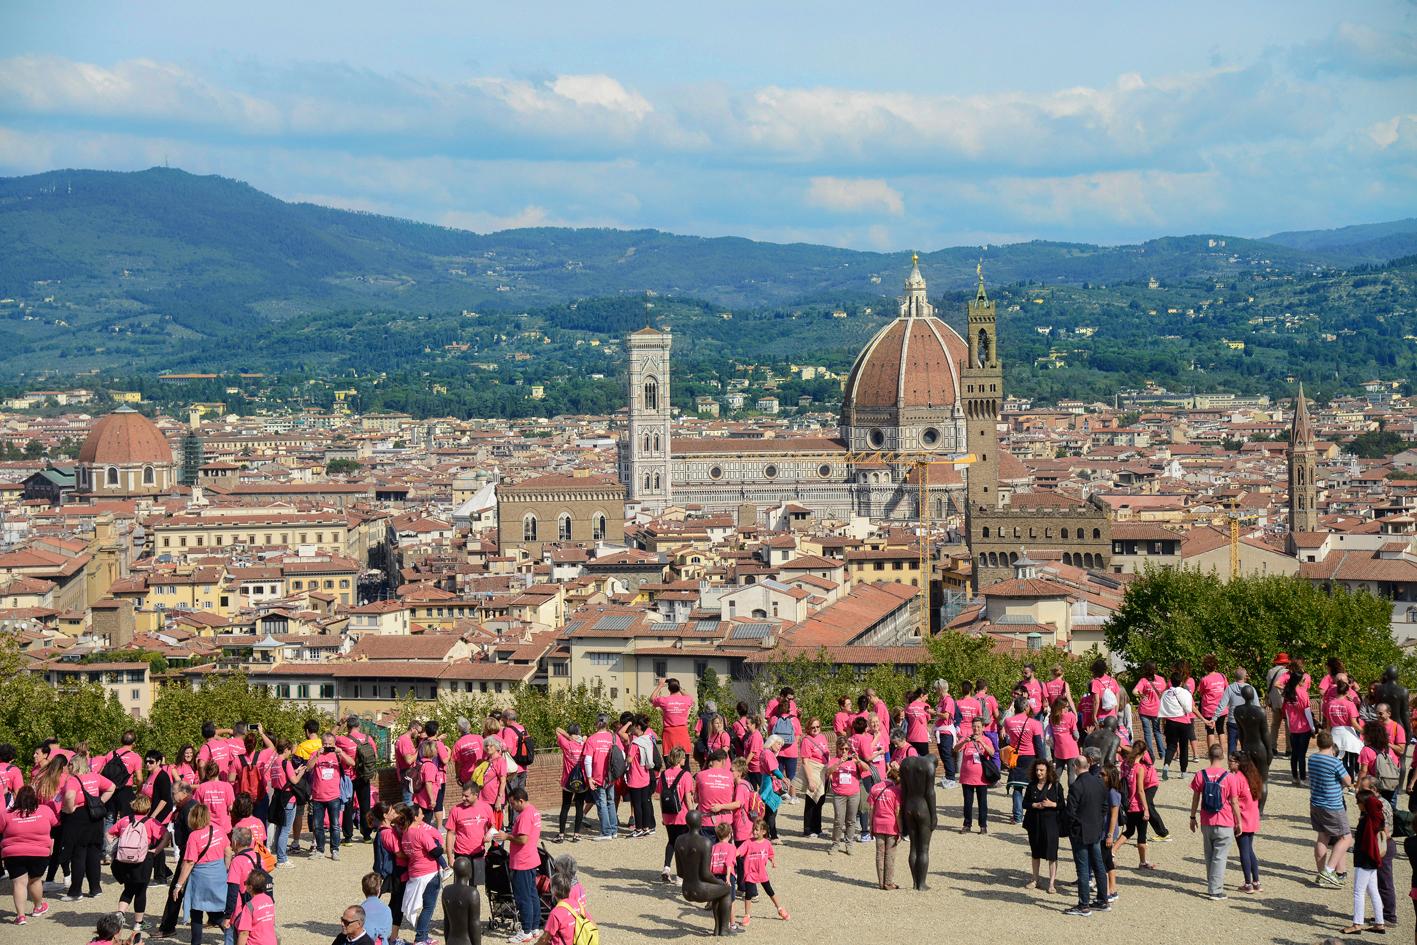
x=917 y=722
x=756 y=854
x=468 y=825
x=467 y=751
x=255 y=917
x=1209 y=691
x=723 y=863
x=971 y=752
x=886 y=825
x=675 y=707
x=1251 y=785
x=86 y=841
x=676 y=789
x=841 y=722
x=743 y=795
x=1215 y=803
x=594 y=759
x=844 y=774
x=524 y=860
x=326 y=768
x=217 y=794
x=713 y=789
x=574 y=790
x=26 y=843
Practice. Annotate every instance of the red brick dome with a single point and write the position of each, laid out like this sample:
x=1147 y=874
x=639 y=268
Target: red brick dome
x=912 y=362
x=125 y=437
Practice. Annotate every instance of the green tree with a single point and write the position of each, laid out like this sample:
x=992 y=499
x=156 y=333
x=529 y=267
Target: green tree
x=31 y=710
x=343 y=467
x=1173 y=614
x=224 y=698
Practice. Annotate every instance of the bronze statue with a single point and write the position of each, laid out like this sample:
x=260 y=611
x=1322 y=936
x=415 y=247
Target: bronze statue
x=692 y=855
x=1105 y=739
x=917 y=813
x=1394 y=694
x=1254 y=736
x=462 y=908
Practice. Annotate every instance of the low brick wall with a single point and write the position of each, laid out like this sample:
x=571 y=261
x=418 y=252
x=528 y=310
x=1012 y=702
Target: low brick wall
x=543 y=783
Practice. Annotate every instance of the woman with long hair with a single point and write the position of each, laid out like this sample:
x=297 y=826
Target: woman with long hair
x=1251 y=786
x=184 y=764
x=201 y=883
x=1299 y=720
x=26 y=843
x=1369 y=846
x=1063 y=730
x=83 y=832
x=813 y=755
x=48 y=784
x=1042 y=802
x=1135 y=803
x=1341 y=717
x=1176 y=708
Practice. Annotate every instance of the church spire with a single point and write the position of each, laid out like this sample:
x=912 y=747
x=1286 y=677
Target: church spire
x=916 y=303
x=1301 y=433
x=1303 y=471
x=981 y=295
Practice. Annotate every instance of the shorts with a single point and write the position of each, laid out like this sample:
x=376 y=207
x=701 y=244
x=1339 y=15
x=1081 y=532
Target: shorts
x=26 y=866
x=750 y=890
x=1108 y=864
x=1330 y=824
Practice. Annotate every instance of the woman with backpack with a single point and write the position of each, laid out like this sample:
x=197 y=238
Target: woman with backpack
x=573 y=787
x=243 y=815
x=86 y=795
x=784 y=723
x=494 y=778
x=676 y=798
x=1377 y=757
x=389 y=823
x=282 y=774
x=976 y=754
x=141 y=841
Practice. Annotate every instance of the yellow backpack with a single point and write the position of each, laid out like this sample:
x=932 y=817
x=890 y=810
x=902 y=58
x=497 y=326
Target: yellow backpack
x=586 y=932
x=479 y=774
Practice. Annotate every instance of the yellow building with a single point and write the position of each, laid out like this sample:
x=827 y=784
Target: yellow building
x=327 y=531
x=129 y=682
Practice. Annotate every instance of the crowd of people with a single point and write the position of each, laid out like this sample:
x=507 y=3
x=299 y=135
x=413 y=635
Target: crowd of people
x=233 y=810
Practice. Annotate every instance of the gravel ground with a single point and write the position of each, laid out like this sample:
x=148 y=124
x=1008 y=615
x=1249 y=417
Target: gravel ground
x=976 y=884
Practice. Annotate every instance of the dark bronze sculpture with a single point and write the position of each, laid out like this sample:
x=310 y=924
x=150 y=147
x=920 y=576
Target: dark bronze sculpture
x=1254 y=735
x=692 y=855
x=462 y=908
x=1105 y=739
x=917 y=812
x=1393 y=693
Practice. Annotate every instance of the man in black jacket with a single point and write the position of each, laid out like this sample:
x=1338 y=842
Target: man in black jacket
x=1087 y=822
x=183 y=801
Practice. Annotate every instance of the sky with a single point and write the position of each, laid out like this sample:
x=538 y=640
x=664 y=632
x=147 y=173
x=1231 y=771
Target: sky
x=871 y=126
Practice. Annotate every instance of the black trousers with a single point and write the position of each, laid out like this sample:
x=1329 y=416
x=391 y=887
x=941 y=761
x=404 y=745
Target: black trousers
x=1178 y=737
x=171 y=911
x=360 y=800
x=581 y=801
x=86 y=859
x=642 y=807
x=675 y=832
x=812 y=816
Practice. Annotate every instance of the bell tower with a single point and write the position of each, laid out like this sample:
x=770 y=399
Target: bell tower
x=983 y=382
x=1303 y=465
x=644 y=452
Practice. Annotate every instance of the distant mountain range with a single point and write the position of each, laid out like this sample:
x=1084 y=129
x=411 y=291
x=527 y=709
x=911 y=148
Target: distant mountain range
x=105 y=267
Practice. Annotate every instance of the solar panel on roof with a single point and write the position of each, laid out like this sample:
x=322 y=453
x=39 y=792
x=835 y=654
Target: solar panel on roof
x=615 y=622
x=751 y=631
x=705 y=626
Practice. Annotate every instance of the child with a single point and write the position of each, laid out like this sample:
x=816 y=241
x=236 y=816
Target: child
x=885 y=825
x=109 y=925
x=1112 y=839
x=255 y=919
x=136 y=876
x=756 y=854
x=723 y=859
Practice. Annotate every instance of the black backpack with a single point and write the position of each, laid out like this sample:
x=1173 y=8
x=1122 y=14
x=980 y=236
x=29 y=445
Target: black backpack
x=525 y=751
x=669 y=804
x=93 y=804
x=615 y=763
x=116 y=771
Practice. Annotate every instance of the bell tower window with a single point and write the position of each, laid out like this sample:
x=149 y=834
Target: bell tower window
x=651 y=394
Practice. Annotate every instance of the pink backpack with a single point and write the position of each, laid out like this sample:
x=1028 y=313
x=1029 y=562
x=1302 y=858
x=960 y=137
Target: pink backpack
x=132 y=842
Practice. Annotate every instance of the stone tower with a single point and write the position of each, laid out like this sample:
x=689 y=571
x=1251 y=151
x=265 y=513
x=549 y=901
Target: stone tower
x=193 y=451
x=983 y=380
x=1303 y=463
x=644 y=452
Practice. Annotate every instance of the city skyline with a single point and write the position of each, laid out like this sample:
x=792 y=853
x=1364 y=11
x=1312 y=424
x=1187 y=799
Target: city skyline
x=927 y=129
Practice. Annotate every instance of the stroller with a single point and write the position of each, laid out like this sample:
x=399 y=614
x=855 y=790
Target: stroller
x=501 y=904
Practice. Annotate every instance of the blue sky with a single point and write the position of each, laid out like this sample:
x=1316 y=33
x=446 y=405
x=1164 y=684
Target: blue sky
x=880 y=126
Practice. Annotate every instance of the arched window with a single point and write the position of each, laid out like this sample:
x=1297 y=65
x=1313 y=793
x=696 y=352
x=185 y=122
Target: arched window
x=563 y=526
x=111 y=476
x=656 y=482
x=759 y=613
x=646 y=442
x=646 y=480
x=1064 y=533
x=651 y=394
x=597 y=526
x=149 y=477
x=985 y=532
x=983 y=347
x=983 y=560
x=1013 y=557
x=529 y=527
x=1097 y=533
x=1068 y=558
x=656 y=442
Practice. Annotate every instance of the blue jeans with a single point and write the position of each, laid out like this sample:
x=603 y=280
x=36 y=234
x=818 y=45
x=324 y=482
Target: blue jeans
x=1232 y=737
x=1087 y=857
x=528 y=902
x=430 y=906
x=947 y=755
x=1152 y=738
x=280 y=836
x=318 y=810
x=1017 y=791
x=789 y=768
x=605 y=808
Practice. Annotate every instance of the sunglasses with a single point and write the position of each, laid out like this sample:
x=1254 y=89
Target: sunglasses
x=344 y=921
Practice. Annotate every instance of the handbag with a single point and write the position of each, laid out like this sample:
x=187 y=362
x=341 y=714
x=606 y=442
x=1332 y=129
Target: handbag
x=346 y=789
x=988 y=768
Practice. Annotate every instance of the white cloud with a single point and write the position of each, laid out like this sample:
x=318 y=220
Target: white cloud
x=603 y=91
x=842 y=195
x=1395 y=135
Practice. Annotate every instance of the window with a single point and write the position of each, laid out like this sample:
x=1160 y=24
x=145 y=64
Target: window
x=344 y=584
x=651 y=394
x=876 y=438
x=985 y=532
x=560 y=669
x=329 y=584
x=149 y=477
x=824 y=471
x=225 y=601
x=327 y=690
x=930 y=437
x=614 y=693
x=602 y=659
x=700 y=667
x=111 y=476
x=770 y=471
x=563 y=526
x=597 y=527
x=283 y=690
x=656 y=482
x=482 y=687
x=166 y=542
x=897 y=565
x=135 y=694
x=1097 y=533
x=295 y=585
x=356 y=690
x=715 y=472
x=661 y=669
x=497 y=686
x=529 y=528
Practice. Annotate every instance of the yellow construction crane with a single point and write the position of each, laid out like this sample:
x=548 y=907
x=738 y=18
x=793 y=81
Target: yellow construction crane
x=1235 y=518
x=920 y=462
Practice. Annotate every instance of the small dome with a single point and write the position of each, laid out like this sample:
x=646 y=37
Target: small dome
x=125 y=437
x=912 y=362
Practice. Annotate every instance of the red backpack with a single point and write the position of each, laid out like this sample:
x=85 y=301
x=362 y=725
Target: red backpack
x=248 y=780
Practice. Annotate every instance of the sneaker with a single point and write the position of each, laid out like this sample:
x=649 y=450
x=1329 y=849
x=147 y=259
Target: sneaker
x=40 y=910
x=574 y=838
x=559 y=838
x=70 y=897
x=602 y=837
x=1161 y=837
x=1218 y=897
x=865 y=838
x=334 y=855
x=1327 y=877
x=517 y=937
x=1078 y=911
x=287 y=865
x=1103 y=906
x=1113 y=897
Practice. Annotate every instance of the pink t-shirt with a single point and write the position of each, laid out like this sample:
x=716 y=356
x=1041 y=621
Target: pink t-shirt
x=756 y=855
x=218 y=796
x=844 y=776
x=257 y=918
x=1249 y=807
x=1212 y=688
x=1034 y=690
x=841 y=722
x=723 y=858
x=989 y=709
x=1229 y=788
x=469 y=824
x=467 y=755
x=197 y=841
x=11 y=780
x=971 y=761
x=1367 y=759
x=571 y=749
x=597 y=749
x=27 y=834
x=885 y=809
x=713 y=786
x=675 y=708
x=324 y=776
x=525 y=854
x=418 y=843
x=1340 y=712
x=492 y=780
x=1020 y=730
x=1065 y=743
x=92 y=781
x=404 y=748
x=560 y=925
x=218 y=750
x=871 y=749
x=795 y=749
x=686 y=781
x=241 y=866
x=257 y=828
x=767 y=761
x=753 y=749
x=917 y=721
x=1054 y=689
x=814 y=748
x=1148 y=693
x=945 y=715
x=636 y=771
x=1097 y=686
x=969 y=710
x=742 y=824
x=433 y=778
